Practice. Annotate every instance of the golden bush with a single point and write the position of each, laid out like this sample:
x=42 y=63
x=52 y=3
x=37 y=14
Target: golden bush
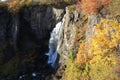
x=71 y=71
x=100 y=56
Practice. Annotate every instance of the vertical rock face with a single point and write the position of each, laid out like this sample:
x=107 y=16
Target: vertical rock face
x=35 y=25
x=41 y=20
x=28 y=34
x=68 y=39
x=24 y=38
x=6 y=36
x=69 y=31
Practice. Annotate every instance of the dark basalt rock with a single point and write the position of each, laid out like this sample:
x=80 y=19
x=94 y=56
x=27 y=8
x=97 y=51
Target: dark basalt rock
x=24 y=38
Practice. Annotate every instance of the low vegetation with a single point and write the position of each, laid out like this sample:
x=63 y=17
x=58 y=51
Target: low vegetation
x=99 y=61
x=15 y=5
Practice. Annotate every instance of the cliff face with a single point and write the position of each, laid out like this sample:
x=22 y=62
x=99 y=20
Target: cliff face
x=69 y=30
x=38 y=21
x=24 y=38
x=68 y=45
x=5 y=34
x=25 y=34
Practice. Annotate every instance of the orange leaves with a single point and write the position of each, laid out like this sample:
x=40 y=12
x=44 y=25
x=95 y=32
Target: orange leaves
x=81 y=56
x=93 y=6
x=104 y=2
x=89 y=6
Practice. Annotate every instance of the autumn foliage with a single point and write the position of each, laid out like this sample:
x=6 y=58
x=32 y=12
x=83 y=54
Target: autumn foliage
x=92 y=6
x=101 y=57
x=15 y=5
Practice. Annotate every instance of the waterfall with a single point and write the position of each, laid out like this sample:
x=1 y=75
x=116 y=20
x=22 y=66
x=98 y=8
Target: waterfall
x=54 y=43
x=15 y=30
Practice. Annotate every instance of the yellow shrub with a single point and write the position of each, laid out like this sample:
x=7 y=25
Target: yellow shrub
x=71 y=71
x=102 y=48
x=100 y=56
x=103 y=69
x=106 y=37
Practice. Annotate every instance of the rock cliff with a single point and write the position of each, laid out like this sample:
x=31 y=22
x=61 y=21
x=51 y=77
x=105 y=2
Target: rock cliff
x=32 y=37
x=24 y=36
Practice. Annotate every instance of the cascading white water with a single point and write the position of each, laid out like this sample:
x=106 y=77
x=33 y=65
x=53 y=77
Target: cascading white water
x=55 y=42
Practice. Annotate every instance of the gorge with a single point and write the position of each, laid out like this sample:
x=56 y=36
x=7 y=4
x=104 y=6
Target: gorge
x=26 y=37
x=59 y=40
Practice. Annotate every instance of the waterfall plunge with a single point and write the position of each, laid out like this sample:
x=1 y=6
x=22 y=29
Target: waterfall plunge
x=54 y=43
